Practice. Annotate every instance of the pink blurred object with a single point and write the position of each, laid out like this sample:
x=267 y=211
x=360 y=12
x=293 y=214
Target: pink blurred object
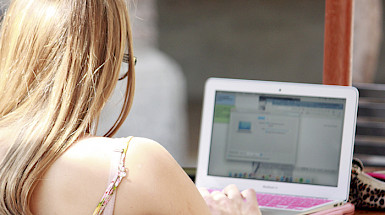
x=377 y=175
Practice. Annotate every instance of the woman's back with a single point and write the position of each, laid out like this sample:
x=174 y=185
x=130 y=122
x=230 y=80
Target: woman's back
x=154 y=184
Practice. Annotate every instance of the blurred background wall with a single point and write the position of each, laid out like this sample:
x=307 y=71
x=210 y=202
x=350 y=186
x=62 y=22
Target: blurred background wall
x=255 y=39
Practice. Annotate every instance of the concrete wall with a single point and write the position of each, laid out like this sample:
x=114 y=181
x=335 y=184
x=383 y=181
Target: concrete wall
x=255 y=39
x=278 y=40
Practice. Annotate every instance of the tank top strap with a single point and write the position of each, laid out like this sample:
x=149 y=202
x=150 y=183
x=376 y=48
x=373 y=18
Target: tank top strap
x=106 y=204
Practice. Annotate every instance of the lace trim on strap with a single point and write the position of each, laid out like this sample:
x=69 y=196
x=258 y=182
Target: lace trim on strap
x=114 y=183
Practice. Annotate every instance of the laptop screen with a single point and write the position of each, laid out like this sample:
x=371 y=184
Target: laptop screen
x=292 y=139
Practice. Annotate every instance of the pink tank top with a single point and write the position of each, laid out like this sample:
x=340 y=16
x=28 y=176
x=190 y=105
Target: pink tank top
x=117 y=173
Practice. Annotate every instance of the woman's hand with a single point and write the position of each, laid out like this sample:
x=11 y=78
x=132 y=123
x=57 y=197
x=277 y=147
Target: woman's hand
x=231 y=201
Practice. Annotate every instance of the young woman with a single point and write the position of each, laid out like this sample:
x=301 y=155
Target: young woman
x=59 y=62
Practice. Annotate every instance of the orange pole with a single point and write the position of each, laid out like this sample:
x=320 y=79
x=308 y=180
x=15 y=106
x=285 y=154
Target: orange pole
x=338 y=42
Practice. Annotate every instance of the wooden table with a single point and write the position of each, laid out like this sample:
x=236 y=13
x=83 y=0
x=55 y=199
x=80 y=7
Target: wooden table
x=368 y=212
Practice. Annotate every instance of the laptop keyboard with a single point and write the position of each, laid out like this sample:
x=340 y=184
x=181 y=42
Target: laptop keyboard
x=288 y=202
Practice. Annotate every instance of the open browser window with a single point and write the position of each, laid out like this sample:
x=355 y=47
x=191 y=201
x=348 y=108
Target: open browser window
x=277 y=138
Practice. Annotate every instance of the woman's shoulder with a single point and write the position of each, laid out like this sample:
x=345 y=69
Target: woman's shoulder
x=155 y=183
x=80 y=176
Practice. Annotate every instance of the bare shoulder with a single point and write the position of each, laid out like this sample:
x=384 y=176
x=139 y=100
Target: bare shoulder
x=146 y=151
x=156 y=184
x=78 y=178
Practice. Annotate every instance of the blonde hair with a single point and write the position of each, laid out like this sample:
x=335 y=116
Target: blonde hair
x=59 y=63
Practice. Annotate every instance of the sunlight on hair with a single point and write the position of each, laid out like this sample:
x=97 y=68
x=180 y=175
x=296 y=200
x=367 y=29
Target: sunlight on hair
x=50 y=12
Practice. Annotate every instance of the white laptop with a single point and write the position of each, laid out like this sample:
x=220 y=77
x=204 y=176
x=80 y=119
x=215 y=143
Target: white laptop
x=291 y=142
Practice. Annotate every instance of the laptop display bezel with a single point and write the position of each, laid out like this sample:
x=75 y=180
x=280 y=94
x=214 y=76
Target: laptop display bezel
x=350 y=94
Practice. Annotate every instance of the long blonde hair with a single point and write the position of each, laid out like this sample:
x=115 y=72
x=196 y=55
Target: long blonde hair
x=59 y=63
